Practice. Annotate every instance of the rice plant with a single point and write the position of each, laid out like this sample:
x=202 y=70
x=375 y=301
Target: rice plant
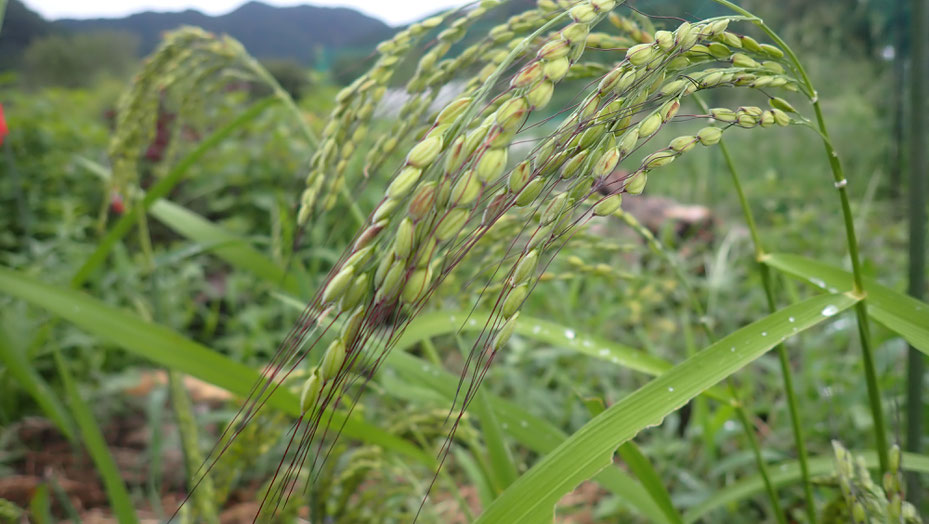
x=459 y=181
x=556 y=117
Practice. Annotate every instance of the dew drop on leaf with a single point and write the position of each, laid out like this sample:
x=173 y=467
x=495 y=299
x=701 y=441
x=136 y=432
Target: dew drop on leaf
x=830 y=310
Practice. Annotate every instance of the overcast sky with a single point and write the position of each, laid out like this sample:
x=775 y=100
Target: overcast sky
x=393 y=12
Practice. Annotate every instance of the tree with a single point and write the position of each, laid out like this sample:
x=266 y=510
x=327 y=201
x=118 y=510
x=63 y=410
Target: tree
x=80 y=59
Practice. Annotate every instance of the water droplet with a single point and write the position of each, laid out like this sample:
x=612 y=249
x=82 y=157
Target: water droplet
x=791 y=319
x=764 y=333
x=671 y=390
x=536 y=329
x=732 y=349
x=817 y=282
x=570 y=333
x=830 y=310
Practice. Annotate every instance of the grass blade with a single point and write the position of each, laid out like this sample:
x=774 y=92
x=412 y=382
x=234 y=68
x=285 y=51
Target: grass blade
x=898 y=312
x=534 y=433
x=15 y=361
x=503 y=469
x=227 y=246
x=531 y=498
x=40 y=506
x=161 y=345
x=428 y=325
x=646 y=474
x=96 y=446
x=789 y=473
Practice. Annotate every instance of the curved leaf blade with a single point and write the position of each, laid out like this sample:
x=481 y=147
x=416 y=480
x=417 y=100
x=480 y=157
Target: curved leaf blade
x=789 y=473
x=896 y=311
x=536 y=433
x=531 y=498
x=163 y=346
x=23 y=371
x=436 y=323
x=96 y=446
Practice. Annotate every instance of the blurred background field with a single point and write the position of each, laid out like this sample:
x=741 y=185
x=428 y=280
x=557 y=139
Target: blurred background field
x=59 y=84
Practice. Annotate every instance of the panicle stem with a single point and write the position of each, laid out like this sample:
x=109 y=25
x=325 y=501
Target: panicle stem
x=783 y=357
x=864 y=331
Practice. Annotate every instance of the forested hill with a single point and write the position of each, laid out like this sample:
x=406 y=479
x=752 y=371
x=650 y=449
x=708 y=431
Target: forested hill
x=266 y=31
x=292 y=33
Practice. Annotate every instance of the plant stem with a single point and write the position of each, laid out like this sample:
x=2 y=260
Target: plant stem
x=898 y=103
x=187 y=427
x=919 y=170
x=2 y=12
x=783 y=357
x=861 y=311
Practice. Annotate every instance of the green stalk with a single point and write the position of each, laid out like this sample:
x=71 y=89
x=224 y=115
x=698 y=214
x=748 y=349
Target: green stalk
x=736 y=400
x=898 y=103
x=919 y=170
x=861 y=309
x=187 y=427
x=2 y=11
x=783 y=357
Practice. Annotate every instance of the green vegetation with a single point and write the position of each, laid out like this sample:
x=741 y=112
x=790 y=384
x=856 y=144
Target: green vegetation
x=433 y=284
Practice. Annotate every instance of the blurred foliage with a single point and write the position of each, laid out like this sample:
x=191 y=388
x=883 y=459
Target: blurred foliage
x=79 y=60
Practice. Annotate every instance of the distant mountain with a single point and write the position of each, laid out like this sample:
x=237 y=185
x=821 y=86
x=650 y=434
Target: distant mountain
x=297 y=33
x=20 y=27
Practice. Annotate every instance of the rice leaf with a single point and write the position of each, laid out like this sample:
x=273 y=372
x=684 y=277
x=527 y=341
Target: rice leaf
x=898 y=312
x=168 y=348
x=531 y=499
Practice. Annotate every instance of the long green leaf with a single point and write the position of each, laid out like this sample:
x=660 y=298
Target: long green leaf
x=232 y=248
x=436 y=323
x=537 y=434
x=897 y=311
x=170 y=349
x=16 y=362
x=789 y=473
x=210 y=237
x=532 y=498
x=502 y=465
x=96 y=446
x=163 y=187
x=643 y=470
